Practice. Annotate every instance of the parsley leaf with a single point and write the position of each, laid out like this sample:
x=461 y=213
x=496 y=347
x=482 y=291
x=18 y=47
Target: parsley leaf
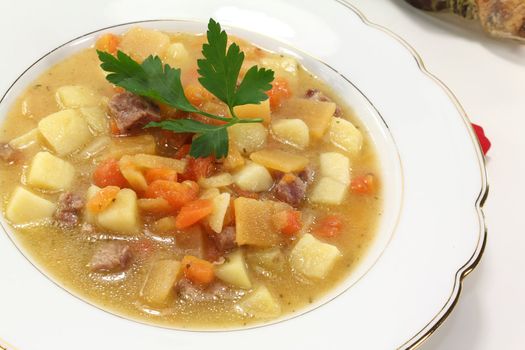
x=219 y=74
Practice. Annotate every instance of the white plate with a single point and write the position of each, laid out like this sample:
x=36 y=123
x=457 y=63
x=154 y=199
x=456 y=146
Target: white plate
x=435 y=182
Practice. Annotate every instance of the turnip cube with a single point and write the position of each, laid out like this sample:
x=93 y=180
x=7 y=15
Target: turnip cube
x=253 y=177
x=316 y=114
x=234 y=271
x=25 y=207
x=328 y=191
x=220 y=206
x=160 y=281
x=280 y=160
x=248 y=138
x=75 y=96
x=260 y=304
x=250 y=111
x=65 y=131
x=49 y=172
x=336 y=166
x=313 y=258
x=122 y=215
x=345 y=135
x=294 y=132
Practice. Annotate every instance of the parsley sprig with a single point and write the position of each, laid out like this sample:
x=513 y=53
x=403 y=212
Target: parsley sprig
x=219 y=73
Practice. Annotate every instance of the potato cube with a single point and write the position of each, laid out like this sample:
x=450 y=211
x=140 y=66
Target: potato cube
x=293 y=132
x=49 y=172
x=220 y=206
x=270 y=258
x=131 y=145
x=160 y=281
x=122 y=216
x=165 y=225
x=75 y=96
x=250 y=111
x=25 y=207
x=253 y=177
x=346 y=136
x=254 y=222
x=336 y=166
x=219 y=180
x=234 y=271
x=139 y=43
x=234 y=159
x=313 y=258
x=260 y=304
x=316 y=114
x=65 y=131
x=328 y=191
x=96 y=119
x=283 y=67
x=210 y=193
x=25 y=140
x=248 y=138
x=176 y=55
x=279 y=160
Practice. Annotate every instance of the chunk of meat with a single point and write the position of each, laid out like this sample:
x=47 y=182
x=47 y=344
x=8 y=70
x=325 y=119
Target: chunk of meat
x=216 y=291
x=111 y=256
x=307 y=175
x=69 y=209
x=8 y=154
x=290 y=189
x=318 y=95
x=132 y=112
x=225 y=240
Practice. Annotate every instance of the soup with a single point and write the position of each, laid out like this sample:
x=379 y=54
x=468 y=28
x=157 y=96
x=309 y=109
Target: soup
x=260 y=211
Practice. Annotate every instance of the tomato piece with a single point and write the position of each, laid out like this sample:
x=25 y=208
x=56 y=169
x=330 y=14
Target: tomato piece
x=198 y=168
x=183 y=151
x=330 y=226
x=177 y=194
x=363 y=184
x=108 y=173
x=160 y=174
x=288 y=222
x=108 y=43
x=279 y=92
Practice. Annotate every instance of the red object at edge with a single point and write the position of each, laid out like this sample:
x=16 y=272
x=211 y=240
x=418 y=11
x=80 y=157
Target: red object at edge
x=483 y=140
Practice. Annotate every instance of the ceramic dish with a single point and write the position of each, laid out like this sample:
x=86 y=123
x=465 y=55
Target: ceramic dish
x=431 y=235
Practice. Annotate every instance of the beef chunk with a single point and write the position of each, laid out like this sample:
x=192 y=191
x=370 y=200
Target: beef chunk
x=9 y=154
x=225 y=240
x=69 y=209
x=216 y=291
x=290 y=189
x=307 y=175
x=111 y=256
x=317 y=95
x=132 y=112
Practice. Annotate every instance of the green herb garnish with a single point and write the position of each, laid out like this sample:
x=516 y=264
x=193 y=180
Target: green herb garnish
x=219 y=73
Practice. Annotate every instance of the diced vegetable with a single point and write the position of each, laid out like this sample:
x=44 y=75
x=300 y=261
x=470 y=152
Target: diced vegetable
x=279 y=92
x=176 y=55
x=193 y=212
x=329 y=226
x=198 y=168
x=25 y=140
x=157 y=206
x=148 y=161
x=253 y=177
x=90 y=217
x=346 y=136
x=133 y=174
x=293 y=132
x=122 y=215
x=288 y=221
x=248 y=138
x=160 y=281
x=313 y=258
x=164 y=225
x=160 y=174
x=219 y=180
x=254 y=222
x=209 y=193
x=96 y=146
x=49 y=172
x=177 y=194
x=102 y=199
x=108 y=43
x=220 y=206
x=96 y=119
x=328 y=191
x=75 y=96
x=285 y=68
x=108 y=173
x=280 y=160
x=336 y=166
x=234 y=159
x=65 y=131
x=260 y=304
x=261 y=110
x=234 y=271
x=271 y=259
x=131 y=145
x=25 y=207
x=197 y=270
x=139 y=43
x=316 y=114
x=364 y=184
x=192 y=241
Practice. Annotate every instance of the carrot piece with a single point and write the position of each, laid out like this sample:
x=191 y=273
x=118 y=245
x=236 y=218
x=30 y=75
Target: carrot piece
x=198 y=168
x=197 y=270
x=328 y=227
x=108 y=174
x=196 y=94
x=102 y=199
x=160 y=174
x=363 y=184
x=193 y=212
x=108 y=43
x=177 y=194
x=288 y=222
x=279 y=92
x=114 y=128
